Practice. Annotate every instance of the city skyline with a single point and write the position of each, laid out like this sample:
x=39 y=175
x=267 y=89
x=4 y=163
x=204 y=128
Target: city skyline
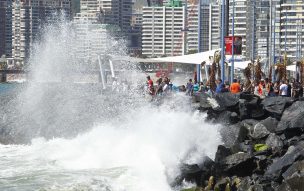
x=269 y=28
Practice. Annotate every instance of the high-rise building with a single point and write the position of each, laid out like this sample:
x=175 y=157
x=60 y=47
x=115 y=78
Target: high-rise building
x=6 y=28
x=214 y=26
x=290 y=23
x=162 y=31
x=28 y=17
x=176 y=30
x=240 y=21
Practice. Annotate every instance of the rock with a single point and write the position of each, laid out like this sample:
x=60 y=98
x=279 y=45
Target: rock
x=274 y=142
x=223 y=117
x=270 y=123
x=294 y=176
x=245 y=184
x=221 y=153
x=227 y=101
x=195 y=173
x=234 y=134
x=297 y=167
x=239 y=164
x=234 y=118
x=260 y=131
x=280 y=165
x=276 y=105
x=251 y=109
x=204 y=103
x=221 y=184
x=292 y=122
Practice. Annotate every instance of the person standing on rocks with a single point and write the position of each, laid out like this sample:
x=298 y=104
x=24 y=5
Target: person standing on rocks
x=283 y=89
x=219 y=86
x=189 y=87
x=235 y=87
x=150 y=85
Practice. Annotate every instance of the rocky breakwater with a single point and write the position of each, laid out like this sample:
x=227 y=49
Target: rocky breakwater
x=263 y=144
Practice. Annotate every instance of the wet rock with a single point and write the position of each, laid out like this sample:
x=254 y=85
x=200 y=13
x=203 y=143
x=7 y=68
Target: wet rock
x=204 y=101
x=270 y=123
x=234 y=118
x=234 y=134
x=297 y=167
x=221 y=153
x=260 y=131
x=280 y=165
x=221 y=184
x=239 y=164
x=251 y=109
x=245 y=184
x=195 y=173
x=292 y=122
x=274 y=142
x=227 y=101
x=276 y=105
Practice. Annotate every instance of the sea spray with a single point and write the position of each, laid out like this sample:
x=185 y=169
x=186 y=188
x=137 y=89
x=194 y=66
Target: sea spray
x=143 y=151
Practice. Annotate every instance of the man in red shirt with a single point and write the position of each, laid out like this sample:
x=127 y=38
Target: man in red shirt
x=235 y=87
x=150 y=85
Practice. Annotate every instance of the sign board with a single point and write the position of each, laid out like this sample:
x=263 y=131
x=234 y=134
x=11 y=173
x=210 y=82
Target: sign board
x=237 y=45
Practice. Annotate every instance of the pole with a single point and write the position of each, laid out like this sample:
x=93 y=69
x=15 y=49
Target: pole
x=198 y=67
x=273 y=51
x=222 y=42
x=102 y=76
x=232 y=63
x=253 y=34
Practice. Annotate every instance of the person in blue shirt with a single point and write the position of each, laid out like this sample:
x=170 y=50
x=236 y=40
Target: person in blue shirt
x=219 y=86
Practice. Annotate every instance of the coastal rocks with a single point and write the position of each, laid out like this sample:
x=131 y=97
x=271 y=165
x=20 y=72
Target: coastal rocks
x=280 y=165
x=292 y=119
x=260 y=131
x=276 y=105
x=263 y=143
x=240 y=164
x=274 y=142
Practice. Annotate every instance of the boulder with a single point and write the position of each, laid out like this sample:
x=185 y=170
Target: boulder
x=234 y=134
x=227 y=101
x=260 y=131
x=276 y=105
x=221 y=153
x=239 y=164
x=270 y=123
x=294 y=176
x=251 y=109
x=195 y=173
x=274 y=142
x=292 y=119
x=204 y=101
x=280 y=165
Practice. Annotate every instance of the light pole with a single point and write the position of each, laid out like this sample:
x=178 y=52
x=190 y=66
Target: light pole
x=198 y=67
x=222 y=42
x=232 y=57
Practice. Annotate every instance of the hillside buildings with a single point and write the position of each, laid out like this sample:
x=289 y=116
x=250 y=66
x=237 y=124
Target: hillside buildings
x=6 y=28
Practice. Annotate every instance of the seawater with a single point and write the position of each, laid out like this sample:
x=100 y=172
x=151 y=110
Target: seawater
x=65 y=136
x=141 y=152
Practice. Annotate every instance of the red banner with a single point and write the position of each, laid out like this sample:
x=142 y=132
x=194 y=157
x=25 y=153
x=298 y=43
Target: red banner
x=237 y=45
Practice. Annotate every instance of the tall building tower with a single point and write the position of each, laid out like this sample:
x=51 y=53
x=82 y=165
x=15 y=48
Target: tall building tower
x=162 y=30
x=214 y=26
x=240 y=21
x=28 y=16
x=6 y=28
x=290 y=16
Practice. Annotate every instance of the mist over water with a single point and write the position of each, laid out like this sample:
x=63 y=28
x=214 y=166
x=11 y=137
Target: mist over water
x=64 y=132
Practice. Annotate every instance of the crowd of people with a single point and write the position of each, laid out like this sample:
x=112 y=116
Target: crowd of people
x=262 y=88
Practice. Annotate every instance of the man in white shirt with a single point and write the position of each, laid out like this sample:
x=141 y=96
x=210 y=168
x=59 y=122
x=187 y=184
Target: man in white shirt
x=283 y=89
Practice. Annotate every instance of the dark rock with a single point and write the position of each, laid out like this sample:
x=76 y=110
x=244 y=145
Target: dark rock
x=243 y=109
x=234 y=134
x=245 y=184
x=293 y=140
x=284 y=187
x=276 y=105
x=195 y=173
x=204 y=101
x=227 y=101
x=292 y=122
x=259 y=131
x=221 y=184
x=234 y=118
x=239 y=164
x=274 y=142
x=221 y=153
x=251 y=108
x=280 y=165
x=223 y=117
x=270 y=123
x=297 y=167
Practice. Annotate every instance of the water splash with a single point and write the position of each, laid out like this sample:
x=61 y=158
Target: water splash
x=83 y=138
